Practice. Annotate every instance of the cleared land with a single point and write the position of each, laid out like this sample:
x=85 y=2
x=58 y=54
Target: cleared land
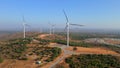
x=93 y=50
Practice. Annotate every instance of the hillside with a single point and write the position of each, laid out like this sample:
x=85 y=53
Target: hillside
x=49 y=50
x=14 y=35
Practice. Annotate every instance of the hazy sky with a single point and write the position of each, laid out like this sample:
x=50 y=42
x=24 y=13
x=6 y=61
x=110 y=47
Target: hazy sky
x=98 y=14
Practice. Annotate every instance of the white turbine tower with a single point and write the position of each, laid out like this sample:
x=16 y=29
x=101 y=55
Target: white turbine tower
x=52 y=26
x=24 y=27
x=50 y=29
x=41 y=30
x=68 y=27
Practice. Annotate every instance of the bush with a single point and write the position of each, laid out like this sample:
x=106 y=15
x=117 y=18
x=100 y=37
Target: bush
x=1 y=60
x=60 y=41
x=93 y=61
x=43 y=41
x=15 y=48
x=23 y=58
x=55 y=53
x=75 y=48
x=83 y=44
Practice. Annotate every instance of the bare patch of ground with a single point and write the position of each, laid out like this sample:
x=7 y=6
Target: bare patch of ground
x=43 y=35
x=112 y=41
x=92 y=50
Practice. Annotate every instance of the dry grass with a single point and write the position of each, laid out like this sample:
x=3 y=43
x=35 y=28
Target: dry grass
x=93 y=50
x=18 y=64
x=43 y=36
x=112 y=41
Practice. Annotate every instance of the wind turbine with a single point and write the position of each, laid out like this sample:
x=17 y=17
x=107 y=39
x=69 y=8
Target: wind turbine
x=52 y=26
x=24 y=27
x=41 y=30
x=68 y=27
x=50 y=29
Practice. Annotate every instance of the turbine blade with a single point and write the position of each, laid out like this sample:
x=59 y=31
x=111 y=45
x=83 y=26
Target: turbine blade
x=65 y=15
x=76 y=25
x=24 y=22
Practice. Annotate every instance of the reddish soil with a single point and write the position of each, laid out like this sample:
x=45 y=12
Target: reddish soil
x=93 y=50
x=18 y=64
x=43 y=35
x=112 y=41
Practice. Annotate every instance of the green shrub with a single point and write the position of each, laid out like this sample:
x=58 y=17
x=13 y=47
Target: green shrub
x=60 y=41
x=15 y=48
x=1 y=60
x=23 y=58
x=55 y=53
x=43 y=41
x=75 y=48
x=93 y=61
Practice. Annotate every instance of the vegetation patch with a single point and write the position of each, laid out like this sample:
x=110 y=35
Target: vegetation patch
x=81 y=44
x=14 y=49
x=93 y=61
x=43 y=41
x=1 y=60
x=60 y=41
x=86 y=44
x=55 y=53
x=47 y=52
x=83 y=36
x=111 y=47
x=75 y=48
